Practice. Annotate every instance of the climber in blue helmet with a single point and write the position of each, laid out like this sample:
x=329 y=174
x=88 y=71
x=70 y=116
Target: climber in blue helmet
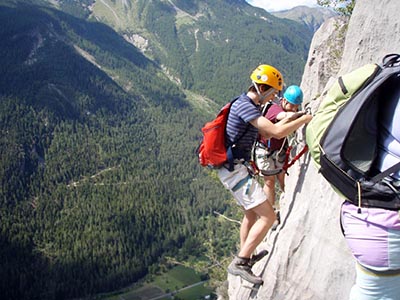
x=294 y=96
x=270 y=154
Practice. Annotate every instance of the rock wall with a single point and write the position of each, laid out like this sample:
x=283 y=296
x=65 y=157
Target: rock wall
x=309 y=258
x=374 y=31
x=324 y=57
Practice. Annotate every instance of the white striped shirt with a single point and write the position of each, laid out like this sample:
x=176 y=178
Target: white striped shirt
x=242 y=112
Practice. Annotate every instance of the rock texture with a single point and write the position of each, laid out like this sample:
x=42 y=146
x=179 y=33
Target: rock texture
x=374 y=31
x=324 y=57
x=309 y=258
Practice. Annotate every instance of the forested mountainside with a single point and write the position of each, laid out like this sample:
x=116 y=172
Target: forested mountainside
x=98 y=173
x=99 y=180
x=207 y=45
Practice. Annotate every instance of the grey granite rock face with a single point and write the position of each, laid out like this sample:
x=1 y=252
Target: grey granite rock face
x=374 y=31
x=324 y=57
x=309 y=258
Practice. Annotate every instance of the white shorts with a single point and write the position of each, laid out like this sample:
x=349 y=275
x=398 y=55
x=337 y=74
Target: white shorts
x=247 y=191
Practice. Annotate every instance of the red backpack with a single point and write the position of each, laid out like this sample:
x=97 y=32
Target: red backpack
x=212 y=150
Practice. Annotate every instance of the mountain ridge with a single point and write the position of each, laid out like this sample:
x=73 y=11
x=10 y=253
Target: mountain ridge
x=202 y=30
x=313 y=18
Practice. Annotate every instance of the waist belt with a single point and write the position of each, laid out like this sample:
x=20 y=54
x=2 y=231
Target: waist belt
x=386 y=273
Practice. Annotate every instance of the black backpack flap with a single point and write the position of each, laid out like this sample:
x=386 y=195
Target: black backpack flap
x=379 y=194
x=360 y=140
x=360 y=148
x=347 y=133
x=373 y=194
x=344 y=184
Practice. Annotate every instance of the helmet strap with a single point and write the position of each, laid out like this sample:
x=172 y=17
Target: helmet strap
x=260 y=96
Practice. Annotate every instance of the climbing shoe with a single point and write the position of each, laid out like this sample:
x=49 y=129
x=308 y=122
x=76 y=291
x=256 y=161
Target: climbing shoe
x=257 y=257
x=240 y=267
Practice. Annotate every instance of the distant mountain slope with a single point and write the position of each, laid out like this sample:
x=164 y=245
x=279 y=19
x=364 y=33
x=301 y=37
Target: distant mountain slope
x=98 y=173
x=206 y=45
x=312 y=17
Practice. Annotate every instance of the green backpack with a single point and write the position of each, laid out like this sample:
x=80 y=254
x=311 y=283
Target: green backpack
x=343 y=148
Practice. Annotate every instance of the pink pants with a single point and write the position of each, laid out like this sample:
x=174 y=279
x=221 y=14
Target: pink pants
x=374 y=239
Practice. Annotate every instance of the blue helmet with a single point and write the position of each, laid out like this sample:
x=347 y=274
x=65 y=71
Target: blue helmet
x=294 y=95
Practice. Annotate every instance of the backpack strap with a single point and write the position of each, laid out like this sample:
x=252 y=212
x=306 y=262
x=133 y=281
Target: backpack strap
x=380 y=176
x=391 y=60
x=266 y=107
x=229 y=151
x=342 y=85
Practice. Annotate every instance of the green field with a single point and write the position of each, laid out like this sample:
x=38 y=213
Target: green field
x=172 y=284
x=177 y=278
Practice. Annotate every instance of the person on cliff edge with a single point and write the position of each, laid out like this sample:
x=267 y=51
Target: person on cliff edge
x=245 y=120
x=270 y=154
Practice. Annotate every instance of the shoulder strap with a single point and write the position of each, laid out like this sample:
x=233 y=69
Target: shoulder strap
x=391 y=60
x=229 y=152
x=380 y=176
x=266 y=107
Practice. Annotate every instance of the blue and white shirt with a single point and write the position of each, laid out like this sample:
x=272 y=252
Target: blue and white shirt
x=242 y=112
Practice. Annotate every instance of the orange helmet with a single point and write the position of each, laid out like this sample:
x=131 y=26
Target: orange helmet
x=266 y=74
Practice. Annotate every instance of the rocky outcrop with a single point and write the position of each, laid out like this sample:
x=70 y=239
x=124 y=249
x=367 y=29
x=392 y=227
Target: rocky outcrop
x=374 y=31
x=324 y=57
x=309 y=258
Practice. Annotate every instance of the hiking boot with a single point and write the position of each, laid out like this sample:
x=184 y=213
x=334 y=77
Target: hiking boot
x=257 y=257
x=240 y=266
